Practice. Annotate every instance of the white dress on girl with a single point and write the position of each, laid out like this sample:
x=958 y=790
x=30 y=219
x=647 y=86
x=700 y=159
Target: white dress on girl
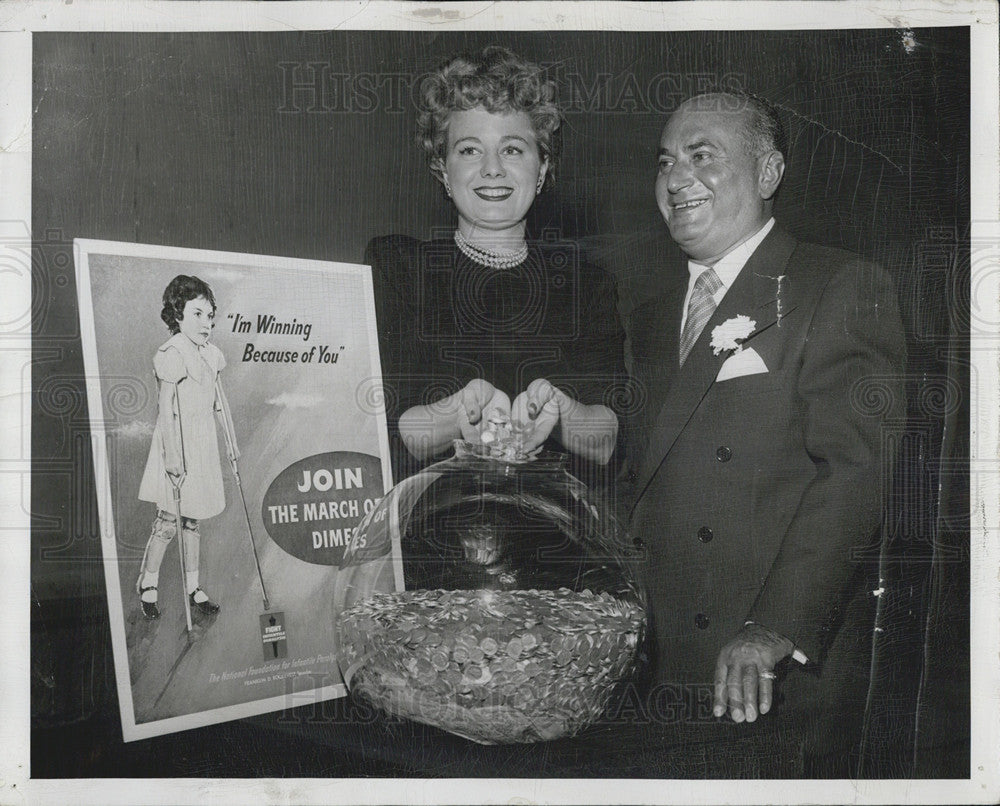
x=194 y=370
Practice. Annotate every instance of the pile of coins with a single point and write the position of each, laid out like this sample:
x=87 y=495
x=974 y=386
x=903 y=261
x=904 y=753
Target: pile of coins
x=492 y=666
x=501 y=439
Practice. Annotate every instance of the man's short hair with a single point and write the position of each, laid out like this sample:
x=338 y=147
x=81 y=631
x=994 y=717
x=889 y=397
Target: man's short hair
x=763 y=130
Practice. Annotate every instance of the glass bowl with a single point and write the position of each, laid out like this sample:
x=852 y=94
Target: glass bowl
x=509 y=611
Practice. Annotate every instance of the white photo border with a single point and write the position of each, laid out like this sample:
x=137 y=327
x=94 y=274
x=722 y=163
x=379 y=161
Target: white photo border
x=18 y=19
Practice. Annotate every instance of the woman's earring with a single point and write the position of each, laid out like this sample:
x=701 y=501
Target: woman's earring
x=538 y=187
x=447 y=187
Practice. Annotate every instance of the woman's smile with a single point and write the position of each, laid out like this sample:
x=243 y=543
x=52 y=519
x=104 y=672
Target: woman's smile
x=493 y=194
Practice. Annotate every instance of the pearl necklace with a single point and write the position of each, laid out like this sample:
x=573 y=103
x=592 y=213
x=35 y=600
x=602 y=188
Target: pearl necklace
x=491 y=258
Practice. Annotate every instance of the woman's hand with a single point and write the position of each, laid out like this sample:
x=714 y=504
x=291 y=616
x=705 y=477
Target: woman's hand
x=478 y=399
x=542 y=410
x=430 y=428
x=537 y=410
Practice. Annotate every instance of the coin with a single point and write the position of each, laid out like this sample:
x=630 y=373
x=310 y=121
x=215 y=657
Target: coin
x=527 y=655
x=523 y=696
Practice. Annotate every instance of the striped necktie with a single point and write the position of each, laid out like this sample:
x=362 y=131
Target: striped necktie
x=700 y=309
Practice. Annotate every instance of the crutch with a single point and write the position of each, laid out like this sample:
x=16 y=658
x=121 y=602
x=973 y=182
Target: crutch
x=229 y=432
x=175 y=483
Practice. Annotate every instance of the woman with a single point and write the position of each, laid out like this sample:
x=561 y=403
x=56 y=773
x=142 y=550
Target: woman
x=485 y=322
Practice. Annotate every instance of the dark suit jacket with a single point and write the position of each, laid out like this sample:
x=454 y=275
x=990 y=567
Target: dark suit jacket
x=759 y=498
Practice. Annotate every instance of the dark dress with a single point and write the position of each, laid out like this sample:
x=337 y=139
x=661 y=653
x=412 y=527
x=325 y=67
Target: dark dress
x=444 y=320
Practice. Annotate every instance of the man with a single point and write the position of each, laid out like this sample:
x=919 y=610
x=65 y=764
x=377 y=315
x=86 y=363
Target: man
x=758 y=461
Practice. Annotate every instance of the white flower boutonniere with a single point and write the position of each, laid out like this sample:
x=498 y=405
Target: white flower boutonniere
x=731 y=334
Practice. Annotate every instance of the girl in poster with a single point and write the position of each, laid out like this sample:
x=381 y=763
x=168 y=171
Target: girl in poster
x=184 y=451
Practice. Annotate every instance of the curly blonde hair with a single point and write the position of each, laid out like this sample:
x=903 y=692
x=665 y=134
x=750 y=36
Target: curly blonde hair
x=499 y=81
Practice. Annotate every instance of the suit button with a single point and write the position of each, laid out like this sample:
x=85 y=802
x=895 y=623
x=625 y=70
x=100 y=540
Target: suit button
x=632 y=476
x=701 y=621
x=705 y=534
x=638 y=542
x=724 y=454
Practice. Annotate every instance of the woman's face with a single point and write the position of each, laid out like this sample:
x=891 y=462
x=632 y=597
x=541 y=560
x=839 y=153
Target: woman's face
x=198 y=320
x=493 y=167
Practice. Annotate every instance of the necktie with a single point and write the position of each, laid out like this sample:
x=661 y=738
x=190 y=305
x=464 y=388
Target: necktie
x=700 y=309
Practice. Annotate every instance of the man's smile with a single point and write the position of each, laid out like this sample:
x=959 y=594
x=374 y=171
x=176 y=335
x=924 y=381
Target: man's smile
x=688 y=205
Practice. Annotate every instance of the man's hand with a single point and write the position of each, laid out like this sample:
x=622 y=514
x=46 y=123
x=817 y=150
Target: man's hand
x=738 y=673
x=477 y=400
x=536 y=411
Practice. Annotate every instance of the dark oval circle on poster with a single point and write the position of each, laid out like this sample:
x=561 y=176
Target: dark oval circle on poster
x=312 y=507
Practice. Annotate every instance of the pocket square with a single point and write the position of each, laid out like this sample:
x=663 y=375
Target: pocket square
x=745 y=362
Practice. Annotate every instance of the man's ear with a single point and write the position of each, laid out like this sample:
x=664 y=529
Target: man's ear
x=770 y=170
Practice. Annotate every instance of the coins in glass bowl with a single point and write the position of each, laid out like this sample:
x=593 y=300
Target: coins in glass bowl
x=501 y=439
x=493 y=666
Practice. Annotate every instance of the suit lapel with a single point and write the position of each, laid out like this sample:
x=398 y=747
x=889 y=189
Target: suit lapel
x=668 y=322
x=754 y=294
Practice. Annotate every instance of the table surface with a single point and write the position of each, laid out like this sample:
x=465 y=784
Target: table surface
x=347 y=738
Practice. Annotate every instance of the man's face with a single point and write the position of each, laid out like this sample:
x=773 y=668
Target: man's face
x=708 y=188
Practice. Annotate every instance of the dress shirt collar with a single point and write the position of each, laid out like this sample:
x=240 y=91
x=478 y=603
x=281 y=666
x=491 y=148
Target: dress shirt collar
x=728 y=268
x=730 y=265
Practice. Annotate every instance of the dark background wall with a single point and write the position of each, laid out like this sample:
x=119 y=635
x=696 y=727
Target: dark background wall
x=302 y=144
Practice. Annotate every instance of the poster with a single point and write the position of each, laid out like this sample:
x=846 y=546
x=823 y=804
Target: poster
x=301 y=437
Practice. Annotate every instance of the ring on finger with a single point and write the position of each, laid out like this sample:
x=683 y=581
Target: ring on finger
x=767 y=675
